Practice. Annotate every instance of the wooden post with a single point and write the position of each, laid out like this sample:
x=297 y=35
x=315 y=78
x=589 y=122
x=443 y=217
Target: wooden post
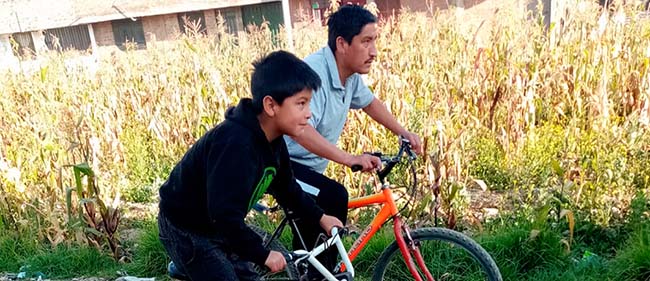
x=286 y=14
x=93 y=42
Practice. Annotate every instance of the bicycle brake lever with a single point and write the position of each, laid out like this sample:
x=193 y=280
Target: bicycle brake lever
x=410 y=153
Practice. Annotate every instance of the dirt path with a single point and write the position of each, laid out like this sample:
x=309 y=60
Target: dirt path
x=13 y=277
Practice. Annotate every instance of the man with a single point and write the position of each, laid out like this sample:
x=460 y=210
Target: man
x=350 y=52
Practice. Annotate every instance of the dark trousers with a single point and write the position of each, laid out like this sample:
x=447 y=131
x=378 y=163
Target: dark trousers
x=333 y=199
x=200 y=257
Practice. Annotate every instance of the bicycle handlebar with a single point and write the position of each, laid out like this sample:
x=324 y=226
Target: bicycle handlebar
x=389 y=162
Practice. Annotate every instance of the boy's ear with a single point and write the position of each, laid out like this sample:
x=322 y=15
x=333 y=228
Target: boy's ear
x=268 y=106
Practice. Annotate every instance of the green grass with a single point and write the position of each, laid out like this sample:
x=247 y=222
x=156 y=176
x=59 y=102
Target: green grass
x=596 y=253
x=518 y=253
x=633 y=261
x=67 y=262
x=14 y=249
x=149 y=256
x=19 y=254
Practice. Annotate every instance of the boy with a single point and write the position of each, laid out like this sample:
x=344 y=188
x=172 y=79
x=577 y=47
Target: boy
x=209 y=192
x=350 y=51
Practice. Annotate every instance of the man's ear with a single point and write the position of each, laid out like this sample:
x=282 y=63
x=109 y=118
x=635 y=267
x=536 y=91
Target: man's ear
x=268 y=106
x=341 y=45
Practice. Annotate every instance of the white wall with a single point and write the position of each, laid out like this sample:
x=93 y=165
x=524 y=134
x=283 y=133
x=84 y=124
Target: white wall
x=7 y=58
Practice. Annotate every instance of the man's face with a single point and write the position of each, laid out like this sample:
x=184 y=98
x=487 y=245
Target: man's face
x=360 y=54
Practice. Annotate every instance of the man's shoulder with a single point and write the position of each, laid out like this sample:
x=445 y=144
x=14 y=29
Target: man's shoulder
x=317 y=60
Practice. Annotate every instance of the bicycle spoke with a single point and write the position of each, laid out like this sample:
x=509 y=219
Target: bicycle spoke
x=446 y=255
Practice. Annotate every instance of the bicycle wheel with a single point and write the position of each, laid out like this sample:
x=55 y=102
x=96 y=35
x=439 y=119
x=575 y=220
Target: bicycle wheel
x=290 y=272
x=448 y=255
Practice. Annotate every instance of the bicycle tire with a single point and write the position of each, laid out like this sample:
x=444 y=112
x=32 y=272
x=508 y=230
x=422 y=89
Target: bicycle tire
x=452 y=240
x=290 y=271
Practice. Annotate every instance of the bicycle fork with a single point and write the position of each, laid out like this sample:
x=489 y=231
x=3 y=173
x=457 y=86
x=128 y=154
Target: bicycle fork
x=410 y=249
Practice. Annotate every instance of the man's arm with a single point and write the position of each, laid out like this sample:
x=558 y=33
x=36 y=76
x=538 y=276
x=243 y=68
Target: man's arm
x=311 y=140
x=378 y=111
x=290 y=195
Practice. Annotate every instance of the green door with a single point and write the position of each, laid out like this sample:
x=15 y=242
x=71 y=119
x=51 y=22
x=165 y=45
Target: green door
x=127 y=30
x=256 y=14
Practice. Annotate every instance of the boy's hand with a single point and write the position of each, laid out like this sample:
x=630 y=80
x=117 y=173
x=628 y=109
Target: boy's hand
x=327 y=222
x=275 y=261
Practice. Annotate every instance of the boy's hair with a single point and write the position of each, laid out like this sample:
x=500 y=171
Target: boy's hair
x=347 y=22
x=280 y=75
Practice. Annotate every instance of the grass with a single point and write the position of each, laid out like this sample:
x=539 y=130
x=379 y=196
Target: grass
x=149 y=257
x=14 y=249
x=68 y=262
x=519 y=255
x=34 y=258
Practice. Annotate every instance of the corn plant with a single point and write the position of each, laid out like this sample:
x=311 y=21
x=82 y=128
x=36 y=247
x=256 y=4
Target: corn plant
x=490 y=101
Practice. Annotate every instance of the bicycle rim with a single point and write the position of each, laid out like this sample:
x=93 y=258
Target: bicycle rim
x=448 y=255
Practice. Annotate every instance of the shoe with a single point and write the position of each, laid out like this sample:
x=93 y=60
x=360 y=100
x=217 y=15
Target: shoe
x=175 y=273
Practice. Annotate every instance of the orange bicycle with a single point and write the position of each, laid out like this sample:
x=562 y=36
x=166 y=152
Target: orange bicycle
x=429 y=253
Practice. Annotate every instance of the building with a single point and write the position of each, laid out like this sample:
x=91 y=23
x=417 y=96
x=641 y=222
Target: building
x=30 y=27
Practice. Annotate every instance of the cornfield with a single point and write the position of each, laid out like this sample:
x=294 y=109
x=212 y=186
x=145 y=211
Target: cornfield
x=527 y=108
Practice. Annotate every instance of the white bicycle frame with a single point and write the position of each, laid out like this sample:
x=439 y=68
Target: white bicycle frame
x=311 y=256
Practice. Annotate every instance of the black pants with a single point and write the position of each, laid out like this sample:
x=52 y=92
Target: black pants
x=333 y=199
x=200 y=257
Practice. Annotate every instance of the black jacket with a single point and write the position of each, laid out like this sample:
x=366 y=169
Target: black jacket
x=210 y=191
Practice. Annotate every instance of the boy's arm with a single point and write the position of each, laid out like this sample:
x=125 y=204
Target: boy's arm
x=230 y=178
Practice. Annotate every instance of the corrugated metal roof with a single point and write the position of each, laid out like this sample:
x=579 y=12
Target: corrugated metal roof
x=30 y=15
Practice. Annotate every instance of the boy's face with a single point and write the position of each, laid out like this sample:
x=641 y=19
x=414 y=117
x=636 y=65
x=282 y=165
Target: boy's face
x=293 y=113
x=360 y=54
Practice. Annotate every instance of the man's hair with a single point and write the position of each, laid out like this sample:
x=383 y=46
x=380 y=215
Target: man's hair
x=280 y=75
x=347 y=22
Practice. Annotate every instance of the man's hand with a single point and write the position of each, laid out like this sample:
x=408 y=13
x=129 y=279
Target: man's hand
x=327 y=222
x=368 y=162
x=275 y=261
x=414 y=139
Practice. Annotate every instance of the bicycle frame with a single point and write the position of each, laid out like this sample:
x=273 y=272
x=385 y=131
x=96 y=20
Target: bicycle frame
x=387 y=211
x=311 y=256
x=408 y=248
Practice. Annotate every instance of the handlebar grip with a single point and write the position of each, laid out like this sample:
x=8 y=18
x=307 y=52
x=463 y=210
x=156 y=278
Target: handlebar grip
x=356 y=168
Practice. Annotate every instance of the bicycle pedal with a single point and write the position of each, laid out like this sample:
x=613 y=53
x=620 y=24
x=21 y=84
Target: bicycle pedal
x=342 y=276
x=347 y=276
